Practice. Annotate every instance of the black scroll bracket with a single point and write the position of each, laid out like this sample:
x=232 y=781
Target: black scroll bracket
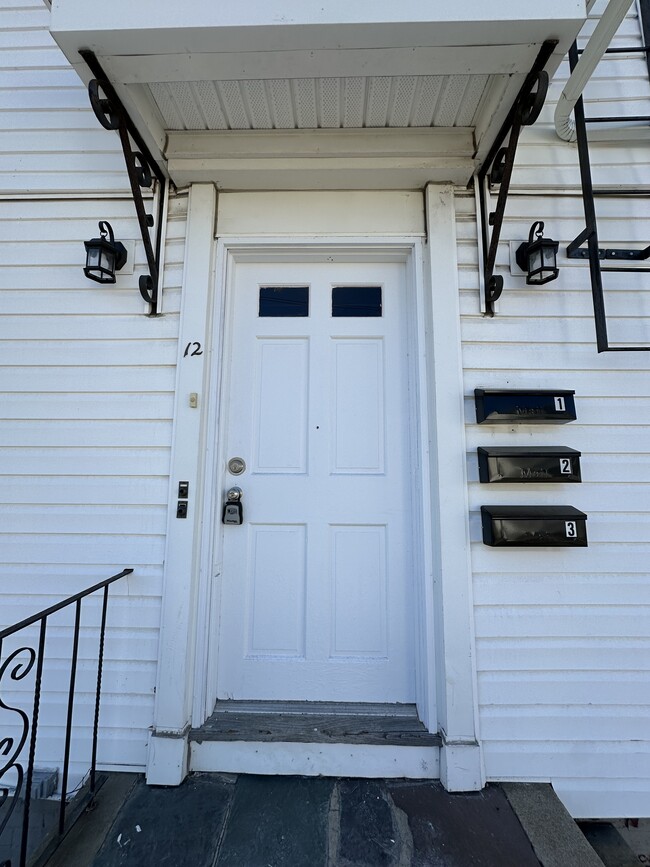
x=499 y=163
x=142 y=169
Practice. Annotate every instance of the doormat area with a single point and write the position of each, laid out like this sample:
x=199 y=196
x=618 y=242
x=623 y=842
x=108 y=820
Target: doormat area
x=230 y=821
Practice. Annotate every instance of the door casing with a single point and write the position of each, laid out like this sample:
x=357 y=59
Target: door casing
x=229 y=254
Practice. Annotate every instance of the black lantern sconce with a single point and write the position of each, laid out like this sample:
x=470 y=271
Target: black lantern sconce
x=104 y=255
x=538 y=257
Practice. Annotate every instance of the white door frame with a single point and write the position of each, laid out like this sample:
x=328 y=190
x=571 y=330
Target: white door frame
x=185 y=677
x=229 y=254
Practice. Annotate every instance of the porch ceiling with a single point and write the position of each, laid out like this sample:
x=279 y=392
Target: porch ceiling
x=350 y=102
x=306 y=65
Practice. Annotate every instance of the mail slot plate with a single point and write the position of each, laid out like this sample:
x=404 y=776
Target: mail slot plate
x=507 y=406
x=525 y=465
x=534 y=526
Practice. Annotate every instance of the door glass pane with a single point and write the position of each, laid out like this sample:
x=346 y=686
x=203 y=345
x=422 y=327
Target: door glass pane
x=356 y=301
x=284 y=301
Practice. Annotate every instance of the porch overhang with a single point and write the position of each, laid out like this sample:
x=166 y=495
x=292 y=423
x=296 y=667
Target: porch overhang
x=442 y=76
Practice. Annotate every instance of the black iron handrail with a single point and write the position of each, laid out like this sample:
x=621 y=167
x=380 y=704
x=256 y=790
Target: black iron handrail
x=11 y=747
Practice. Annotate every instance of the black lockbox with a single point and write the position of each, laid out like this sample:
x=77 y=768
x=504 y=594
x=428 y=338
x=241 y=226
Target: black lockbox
x=508 y=406
x=528 y=464
x=534 y=526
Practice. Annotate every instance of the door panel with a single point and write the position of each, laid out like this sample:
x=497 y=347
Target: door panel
x=316 y=600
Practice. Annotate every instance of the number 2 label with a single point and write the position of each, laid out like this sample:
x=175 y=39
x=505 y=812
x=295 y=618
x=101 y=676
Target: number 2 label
x=565 y=466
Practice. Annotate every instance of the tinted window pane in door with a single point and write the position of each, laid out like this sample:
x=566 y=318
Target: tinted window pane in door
x=356 y=301
x=284 y=301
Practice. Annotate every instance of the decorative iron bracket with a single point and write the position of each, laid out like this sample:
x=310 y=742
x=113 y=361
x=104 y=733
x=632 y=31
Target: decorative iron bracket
x=142 y=169
x=499 y=163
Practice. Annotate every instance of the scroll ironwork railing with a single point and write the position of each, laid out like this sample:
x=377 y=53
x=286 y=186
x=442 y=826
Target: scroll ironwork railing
x=18 y=743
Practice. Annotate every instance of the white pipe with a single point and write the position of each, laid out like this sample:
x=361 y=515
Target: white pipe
x=609 y=23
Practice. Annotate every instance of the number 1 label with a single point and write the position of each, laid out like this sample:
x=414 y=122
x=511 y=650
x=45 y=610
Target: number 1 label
x=559 y=404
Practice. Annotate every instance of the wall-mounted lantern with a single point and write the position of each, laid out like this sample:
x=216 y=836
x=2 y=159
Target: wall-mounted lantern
x=104 y=255
x=538 y=256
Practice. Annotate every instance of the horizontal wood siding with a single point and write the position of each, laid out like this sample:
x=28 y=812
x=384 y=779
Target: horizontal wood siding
x=87 y=392
x=50 y=140
x=563 y=636
x=619 y=87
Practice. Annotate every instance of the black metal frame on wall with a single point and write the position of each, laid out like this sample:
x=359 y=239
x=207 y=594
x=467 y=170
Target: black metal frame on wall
x=593 y=252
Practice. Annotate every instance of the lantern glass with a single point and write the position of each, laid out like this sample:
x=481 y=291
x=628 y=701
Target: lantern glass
x=92 y=259
x=107 y=260
x=549 y=256
x=534 y=261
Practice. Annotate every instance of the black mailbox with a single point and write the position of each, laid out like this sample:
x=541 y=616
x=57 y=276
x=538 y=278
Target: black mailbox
x=506 y=406
x=534 y=526
x=529 y=465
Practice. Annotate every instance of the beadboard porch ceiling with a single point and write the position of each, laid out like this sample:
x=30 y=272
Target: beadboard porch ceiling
x=300 y=65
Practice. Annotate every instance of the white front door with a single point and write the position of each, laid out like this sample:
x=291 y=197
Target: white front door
x=317 y=582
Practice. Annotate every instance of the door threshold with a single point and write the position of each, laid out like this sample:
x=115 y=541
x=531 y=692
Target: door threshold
x=316 y=723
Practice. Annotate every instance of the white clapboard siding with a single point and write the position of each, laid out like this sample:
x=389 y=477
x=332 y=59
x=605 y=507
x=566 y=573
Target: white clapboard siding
x=563 y=636
x=50 y=141
x=619 y=87
x=87 y=393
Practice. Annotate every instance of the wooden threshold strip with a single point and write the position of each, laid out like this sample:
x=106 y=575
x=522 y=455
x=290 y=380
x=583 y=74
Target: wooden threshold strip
x=316 y=722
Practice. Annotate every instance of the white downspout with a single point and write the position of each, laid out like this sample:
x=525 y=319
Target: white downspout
x=609 y=23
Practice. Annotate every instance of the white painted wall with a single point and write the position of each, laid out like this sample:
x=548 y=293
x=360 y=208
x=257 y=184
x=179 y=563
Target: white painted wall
x=50 y=140
x=86 y=389
x=562 y=635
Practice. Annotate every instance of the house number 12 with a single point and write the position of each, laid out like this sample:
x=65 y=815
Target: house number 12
x=198 y=350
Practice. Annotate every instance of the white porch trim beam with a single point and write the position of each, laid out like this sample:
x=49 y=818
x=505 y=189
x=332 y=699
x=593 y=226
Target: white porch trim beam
x=256 y=65
x=167 y=759
x=461 y=764
x=321 y=159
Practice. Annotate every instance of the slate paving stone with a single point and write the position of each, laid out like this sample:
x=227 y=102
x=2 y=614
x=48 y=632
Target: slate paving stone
x=277 y=822
x=477 y=829
x=214 y=820
x=169 y=827
x=367 y=834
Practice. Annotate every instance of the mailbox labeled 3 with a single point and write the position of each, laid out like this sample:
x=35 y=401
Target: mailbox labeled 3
x=534 y=526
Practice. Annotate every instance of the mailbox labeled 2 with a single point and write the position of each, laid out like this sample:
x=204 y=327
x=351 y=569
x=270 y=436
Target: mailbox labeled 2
x=528 y=465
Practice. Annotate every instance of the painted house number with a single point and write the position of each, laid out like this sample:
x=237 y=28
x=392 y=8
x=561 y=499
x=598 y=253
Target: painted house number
x=565 y=466
x=570 y=529
x=559 y=404
x=198 y=349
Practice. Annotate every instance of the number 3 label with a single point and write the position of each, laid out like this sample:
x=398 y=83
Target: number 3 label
x=570 y=529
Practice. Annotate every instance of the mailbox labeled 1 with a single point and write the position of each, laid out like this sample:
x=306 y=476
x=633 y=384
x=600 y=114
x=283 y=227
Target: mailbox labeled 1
x=521 y=406
x=528 y=465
